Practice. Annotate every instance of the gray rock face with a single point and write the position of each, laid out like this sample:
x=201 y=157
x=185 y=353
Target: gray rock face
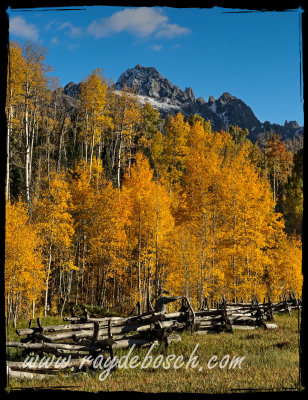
x=227 y=110
x=147 y=81
x=72 y=89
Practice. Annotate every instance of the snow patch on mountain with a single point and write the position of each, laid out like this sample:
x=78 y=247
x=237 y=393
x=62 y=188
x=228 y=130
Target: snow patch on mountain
x=154 y=103
x=212 y=106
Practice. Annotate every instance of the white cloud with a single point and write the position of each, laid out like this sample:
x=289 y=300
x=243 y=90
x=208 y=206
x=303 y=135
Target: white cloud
x=172 y=30
x=156 y=47
x=54 y=40
x=48 y=26
x=141 y=22
x=72 y=46
x=19 y=27
x=74 y=31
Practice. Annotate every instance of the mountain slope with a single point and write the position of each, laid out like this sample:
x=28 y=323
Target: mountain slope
x=150 y=86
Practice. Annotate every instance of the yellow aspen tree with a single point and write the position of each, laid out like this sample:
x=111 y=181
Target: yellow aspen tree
x=250 y=221
x=100 y=215
x=126 y=115
x=284 y=266
x=94 y=103
x=51 y=214
x=15 y=78
x=202 y=196
x=175 y=149
x=34 y=97
x=150 y=222
x=181 y=273
x=24 y=269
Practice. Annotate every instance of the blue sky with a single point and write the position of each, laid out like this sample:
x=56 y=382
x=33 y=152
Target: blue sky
x=254 y=56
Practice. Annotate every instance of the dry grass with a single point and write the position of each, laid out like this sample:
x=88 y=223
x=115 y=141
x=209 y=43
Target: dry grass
x=271 y=363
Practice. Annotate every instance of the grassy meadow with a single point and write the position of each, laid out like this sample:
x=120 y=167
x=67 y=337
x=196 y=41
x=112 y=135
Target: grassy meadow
x=271 y=363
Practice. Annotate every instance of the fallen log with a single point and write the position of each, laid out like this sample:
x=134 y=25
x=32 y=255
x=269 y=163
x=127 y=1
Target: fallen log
x=54 y=328
x=208 y=328
x=52 y=366
x=122 y=344
x=208 y=317
x=57 y=346
x=244 y=327
x=207 y=313
x=31 y=375
x=242 y=319
x=173 y=339
x=103 y=319
x=26 y=375
x=209 y=323
x=270 y=326
x=102 y=332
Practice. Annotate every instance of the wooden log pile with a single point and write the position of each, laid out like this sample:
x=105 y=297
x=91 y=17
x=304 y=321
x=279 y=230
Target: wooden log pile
x=241 y=315
x=86 y=336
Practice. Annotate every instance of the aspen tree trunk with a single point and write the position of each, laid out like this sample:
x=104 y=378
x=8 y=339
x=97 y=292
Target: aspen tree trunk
x=233 y=257
x=120 y=150
x=274 y=183
x=113 y=289
x=92 y=144
x=203 y=263
x=31 y=139
x=119 y=163
x=86 y=139
x=130 y=151
x=39 y=174
x=48 y=151
x=82 y=273
x=48 y=270
x=15 y=312
x=100 y=145
x=156 y=244
x=47 y=281
x=114 y=151
x=8 y=136
x=170 y=183
x=139 y=257
x=68 y=291
x=75 y=131
x=186 y=279
x=77 y=272
x=27 y=156
x=60 y=145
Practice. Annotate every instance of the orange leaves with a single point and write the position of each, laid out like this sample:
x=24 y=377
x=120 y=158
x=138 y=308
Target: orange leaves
x=175 y=149
x=150 y=219
x=227 y=208
x=24 y=270
x=94 y=103
x=280 y=160
x=285 y=266
x=51 y=213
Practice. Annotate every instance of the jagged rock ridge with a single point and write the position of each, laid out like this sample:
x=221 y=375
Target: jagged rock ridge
x=150 y=86
x=227 y=110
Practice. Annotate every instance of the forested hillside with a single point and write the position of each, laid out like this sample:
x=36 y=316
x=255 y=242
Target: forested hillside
x=110 y=204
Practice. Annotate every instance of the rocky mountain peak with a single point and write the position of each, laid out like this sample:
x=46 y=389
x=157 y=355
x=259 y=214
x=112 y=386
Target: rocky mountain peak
x=225 y=97
x=72 y=89
x=149 y=82
x=291 y=124
x=152 y=87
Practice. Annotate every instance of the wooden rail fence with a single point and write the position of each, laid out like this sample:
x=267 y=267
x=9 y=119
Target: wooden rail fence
x=86 y=336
